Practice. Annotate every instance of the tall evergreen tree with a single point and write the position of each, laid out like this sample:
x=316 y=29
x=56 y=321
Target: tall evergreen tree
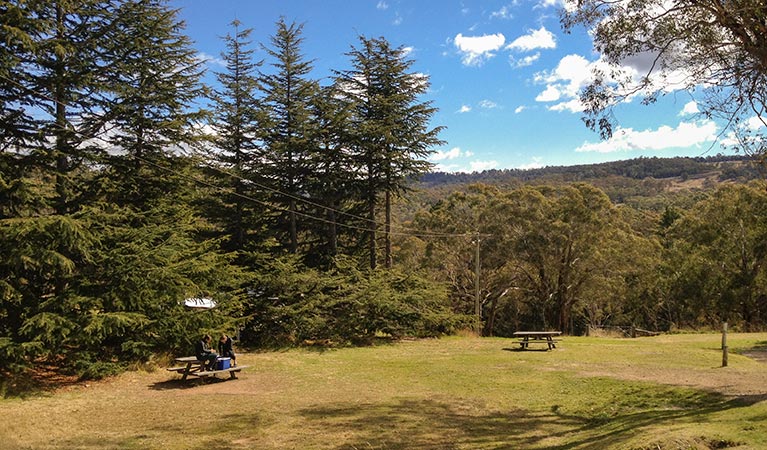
x=55 y=56
x=101 y=281
x=288 y=95
x=237 y=122
x=60 y=79
x=154 y=80
x=393 y=137
x=17 y=126
x=334 y=184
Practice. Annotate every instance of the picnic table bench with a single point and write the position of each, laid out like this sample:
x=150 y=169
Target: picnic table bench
x=195 y=367
x=537 y=337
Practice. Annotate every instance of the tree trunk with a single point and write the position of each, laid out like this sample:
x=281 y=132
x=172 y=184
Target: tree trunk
x=293 y=227
x=372 y=230
x=387 y=232
x=62 y=163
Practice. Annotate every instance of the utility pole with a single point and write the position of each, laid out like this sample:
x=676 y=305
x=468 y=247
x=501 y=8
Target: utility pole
x=477 y=303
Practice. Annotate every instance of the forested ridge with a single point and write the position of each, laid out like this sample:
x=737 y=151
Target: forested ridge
x=293 y=204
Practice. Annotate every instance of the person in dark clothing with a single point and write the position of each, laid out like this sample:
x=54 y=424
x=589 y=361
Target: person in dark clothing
x=225 y=348
x=204 y=353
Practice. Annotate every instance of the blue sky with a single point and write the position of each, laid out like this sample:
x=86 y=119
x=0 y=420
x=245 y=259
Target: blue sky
x=504 y=76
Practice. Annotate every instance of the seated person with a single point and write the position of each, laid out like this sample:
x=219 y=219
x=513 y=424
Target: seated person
x=203 y=353
x=225 y=348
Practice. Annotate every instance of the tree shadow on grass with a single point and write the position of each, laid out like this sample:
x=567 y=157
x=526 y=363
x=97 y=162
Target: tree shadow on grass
x=431 y=424
x=529 y=349
x=758 y=352
x=177 y=383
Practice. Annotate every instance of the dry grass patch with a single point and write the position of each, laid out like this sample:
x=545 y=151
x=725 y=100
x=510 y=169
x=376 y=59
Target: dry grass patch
x=455 y=393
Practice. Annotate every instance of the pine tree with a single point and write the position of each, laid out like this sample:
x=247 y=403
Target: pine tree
x=237 y=121
x=288 y=96
x=51 y=66
x=58 y=67
x=334 y=184
x=154 y=80
x=99 y=277
x=392 y=126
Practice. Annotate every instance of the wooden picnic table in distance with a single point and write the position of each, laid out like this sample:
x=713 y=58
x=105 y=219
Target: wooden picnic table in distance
x=543 y=337
x=195 y=367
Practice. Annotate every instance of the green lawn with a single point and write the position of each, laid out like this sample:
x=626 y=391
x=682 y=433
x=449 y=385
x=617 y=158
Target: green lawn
x=665 y=392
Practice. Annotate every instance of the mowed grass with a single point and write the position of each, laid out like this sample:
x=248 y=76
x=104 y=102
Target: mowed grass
x=665 y=392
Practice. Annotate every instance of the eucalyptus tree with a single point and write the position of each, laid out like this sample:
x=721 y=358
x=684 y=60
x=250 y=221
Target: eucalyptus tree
x=719 y=259
x=236 y=122
x=558 y=246
x=551 y=257
x=464 y=230
x=288 y=95
x=713 y=48
x=392 y=136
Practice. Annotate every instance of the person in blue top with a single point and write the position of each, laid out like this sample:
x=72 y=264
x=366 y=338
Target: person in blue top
x=225 y=348
x=204 y=353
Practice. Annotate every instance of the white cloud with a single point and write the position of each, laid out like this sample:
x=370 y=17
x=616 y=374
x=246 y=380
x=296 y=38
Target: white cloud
x=573 y=72
x=453 y=153
x=551 y=94
x=534 y=164
x=382 y=5
x=488 y=104
x=503 y=13
x=573 y=105
x=564 y=83
x=208 y=59
x=686 y=134
x=407 y=51
x=690 y=109
x=520 y=109
x=748 y=133
x=755 y=123
x=440 y=158
x=524 y=62
x=477 y=49
x=540 y=38
x=479 y=166
x=464 y=109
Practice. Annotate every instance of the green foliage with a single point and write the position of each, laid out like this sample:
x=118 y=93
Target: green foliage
x=719 y=254
x=390 y=130
x=550 y=257
x=681 y=36
x=101 y=248
x=292 y=304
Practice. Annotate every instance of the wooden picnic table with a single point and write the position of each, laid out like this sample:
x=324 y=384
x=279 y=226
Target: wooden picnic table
x=195 y=367
x=532 y=337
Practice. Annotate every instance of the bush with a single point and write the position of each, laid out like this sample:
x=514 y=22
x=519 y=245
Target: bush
x=346 y=305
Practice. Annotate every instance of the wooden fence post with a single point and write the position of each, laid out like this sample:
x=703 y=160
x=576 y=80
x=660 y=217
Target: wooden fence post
x=724 y=344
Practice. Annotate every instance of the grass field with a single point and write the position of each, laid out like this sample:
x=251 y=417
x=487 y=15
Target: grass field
x=664 y=392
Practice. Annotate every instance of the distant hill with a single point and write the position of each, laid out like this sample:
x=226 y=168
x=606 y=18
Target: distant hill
x=727 y=167
x=644 y=183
